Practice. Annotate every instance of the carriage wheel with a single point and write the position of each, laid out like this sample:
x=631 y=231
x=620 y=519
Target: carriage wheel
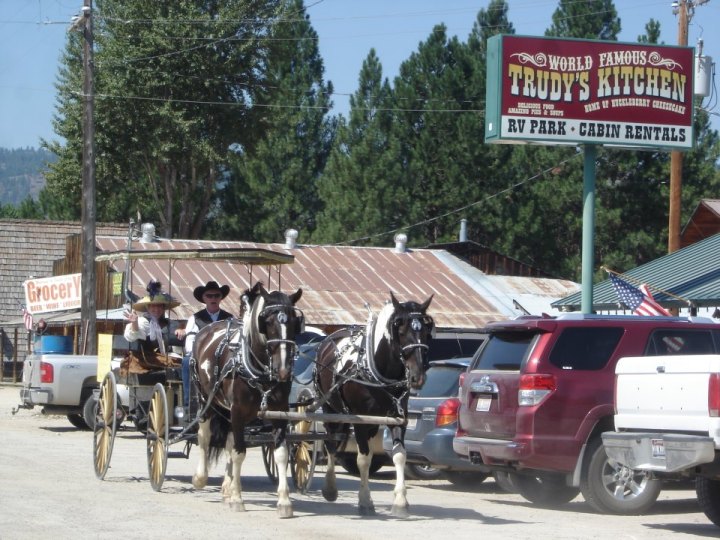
x=157 y=437
x=105 y=425
x=303 y=455
x=268 y=455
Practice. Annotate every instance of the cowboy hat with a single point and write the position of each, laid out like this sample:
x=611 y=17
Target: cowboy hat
x=155 y=296
x=210 y=286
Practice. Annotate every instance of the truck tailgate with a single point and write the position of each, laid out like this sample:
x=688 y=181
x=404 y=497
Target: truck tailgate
x=671 y=388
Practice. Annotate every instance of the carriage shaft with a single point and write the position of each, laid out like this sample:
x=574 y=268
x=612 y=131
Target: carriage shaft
x=331 y=418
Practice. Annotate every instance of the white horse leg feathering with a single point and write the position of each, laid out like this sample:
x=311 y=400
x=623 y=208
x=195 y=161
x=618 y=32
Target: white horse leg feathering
x=200 y=477
x=284 y=506
x=400 y=507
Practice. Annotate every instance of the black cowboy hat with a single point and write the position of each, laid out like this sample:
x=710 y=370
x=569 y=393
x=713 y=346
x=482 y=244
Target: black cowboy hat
x=210 y=286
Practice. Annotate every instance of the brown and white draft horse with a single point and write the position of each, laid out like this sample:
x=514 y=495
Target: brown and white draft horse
x=245 y=368
x=370 y=372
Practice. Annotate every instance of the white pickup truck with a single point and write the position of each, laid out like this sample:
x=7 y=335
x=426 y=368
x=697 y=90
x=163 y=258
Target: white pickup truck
x=667 y=421
x=61 y=384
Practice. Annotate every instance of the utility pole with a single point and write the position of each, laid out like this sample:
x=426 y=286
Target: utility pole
x=684 y=9
x=88 y=279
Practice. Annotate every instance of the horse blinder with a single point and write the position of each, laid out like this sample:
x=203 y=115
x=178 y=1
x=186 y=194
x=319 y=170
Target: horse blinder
x=418 y=322
x=298 y=322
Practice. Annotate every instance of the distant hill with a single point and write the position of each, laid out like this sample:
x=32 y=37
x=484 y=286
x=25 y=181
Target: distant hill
x=21 y=173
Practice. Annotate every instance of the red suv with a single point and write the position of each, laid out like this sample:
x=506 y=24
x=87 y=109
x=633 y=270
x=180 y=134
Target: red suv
x=539 y=393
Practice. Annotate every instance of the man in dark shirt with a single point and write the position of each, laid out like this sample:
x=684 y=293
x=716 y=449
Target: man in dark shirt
x=211 y=294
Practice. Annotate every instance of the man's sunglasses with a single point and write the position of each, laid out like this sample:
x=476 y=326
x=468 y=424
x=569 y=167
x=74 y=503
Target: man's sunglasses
x=212 y=295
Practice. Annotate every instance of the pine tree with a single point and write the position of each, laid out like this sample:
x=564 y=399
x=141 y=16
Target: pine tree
x=362 y=187
x=440 y=126
x=273 y=185
x=585 y=19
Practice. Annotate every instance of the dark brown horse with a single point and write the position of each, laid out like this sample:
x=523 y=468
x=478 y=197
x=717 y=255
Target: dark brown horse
x=244 y=368
x=371 y=372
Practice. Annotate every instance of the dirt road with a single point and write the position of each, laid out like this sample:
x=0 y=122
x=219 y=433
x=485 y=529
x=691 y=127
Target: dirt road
x=48 y=489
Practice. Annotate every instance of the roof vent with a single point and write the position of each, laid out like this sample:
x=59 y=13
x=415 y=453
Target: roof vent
x=148 y=232
x=463 y=230
x=400 y=243
x=291 y=238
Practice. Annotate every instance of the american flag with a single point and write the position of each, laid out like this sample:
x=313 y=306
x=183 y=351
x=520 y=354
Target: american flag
x=639 y=300
x=27 y=318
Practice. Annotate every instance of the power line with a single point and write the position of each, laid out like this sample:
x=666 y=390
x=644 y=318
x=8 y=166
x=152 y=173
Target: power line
x=275 y=105
x=463 y=208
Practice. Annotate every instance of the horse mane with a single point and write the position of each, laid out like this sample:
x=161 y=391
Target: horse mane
x=383 y=322
x=250 y=316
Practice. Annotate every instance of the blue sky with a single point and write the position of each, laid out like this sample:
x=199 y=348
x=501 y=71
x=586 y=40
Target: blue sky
x=32 y=36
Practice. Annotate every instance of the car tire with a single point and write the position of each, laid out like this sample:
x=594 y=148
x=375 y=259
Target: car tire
x=78 y=421
x=505 y=481
x=88 y=414
x=422 y=471
x=611 y=488
x=708 y=495
x=465 y=478
x=547 y=490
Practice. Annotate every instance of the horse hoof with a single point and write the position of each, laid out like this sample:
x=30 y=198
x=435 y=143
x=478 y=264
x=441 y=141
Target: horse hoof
x=237 y=506
x=330 y=495
x=284 y=511
x=199 y=483
x=400 y=511
x=366 y=510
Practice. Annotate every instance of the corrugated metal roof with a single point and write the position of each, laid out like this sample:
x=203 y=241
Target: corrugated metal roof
x=691 y=273
x=338 y=281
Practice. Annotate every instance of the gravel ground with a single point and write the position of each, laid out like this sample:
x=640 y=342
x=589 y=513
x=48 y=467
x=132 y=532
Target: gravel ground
x=48 y=489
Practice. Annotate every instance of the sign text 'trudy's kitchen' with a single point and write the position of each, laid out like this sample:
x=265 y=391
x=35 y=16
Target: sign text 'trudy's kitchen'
x=596 y=92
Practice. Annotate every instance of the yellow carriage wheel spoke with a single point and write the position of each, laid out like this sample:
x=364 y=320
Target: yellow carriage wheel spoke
x=157 y=437
x=302 y=459
x=104 y=431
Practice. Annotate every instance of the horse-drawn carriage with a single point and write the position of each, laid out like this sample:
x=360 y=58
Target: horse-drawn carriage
x=242 y=377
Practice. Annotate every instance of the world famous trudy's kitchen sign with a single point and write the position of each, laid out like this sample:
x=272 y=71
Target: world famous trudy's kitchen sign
x=595 y=92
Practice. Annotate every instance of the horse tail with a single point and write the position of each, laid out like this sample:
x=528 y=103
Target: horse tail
x=219 y=429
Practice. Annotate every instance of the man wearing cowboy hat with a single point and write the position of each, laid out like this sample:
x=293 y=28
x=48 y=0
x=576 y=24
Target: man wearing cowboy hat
x=211 y=294
x=148 y=326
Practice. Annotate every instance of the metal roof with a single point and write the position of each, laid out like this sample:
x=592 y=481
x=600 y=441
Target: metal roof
x=337 y=281
x=258 y=256
x=691 y=275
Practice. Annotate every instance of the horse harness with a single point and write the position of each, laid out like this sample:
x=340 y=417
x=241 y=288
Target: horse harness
x=242 y=363
x=364 y=371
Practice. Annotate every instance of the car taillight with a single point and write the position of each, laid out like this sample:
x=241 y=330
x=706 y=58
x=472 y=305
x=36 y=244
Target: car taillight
x=535 y=387
x=46 y=373
x=461 y=380
x=447 y=412
x=714 y=395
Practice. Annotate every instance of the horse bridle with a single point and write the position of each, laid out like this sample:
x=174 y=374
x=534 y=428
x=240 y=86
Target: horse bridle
x=417 y=321
x=282 y=318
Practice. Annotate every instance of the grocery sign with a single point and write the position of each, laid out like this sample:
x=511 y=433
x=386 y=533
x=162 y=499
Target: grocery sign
x=53 y=293
x=558 y=91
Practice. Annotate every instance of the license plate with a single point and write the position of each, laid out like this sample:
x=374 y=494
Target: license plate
x=412 y=422
x=658 y=448
x=483 y=404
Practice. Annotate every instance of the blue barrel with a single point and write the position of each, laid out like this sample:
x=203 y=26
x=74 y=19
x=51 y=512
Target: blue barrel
x=55 y=345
